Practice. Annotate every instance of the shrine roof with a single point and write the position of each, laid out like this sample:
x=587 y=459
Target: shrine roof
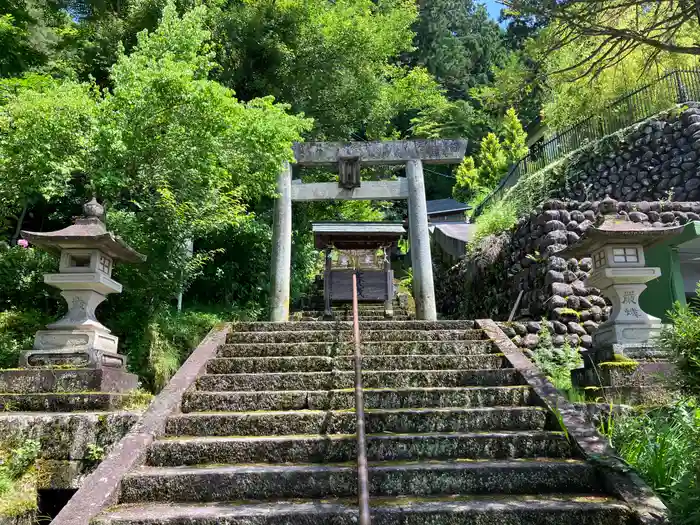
x=356 y=235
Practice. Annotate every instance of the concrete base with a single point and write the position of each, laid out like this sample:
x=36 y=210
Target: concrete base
x=79 y=348
x=51 y=380
x=627 y=334
x=639 y=352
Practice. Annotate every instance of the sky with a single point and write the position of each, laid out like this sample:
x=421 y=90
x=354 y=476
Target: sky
x=493 y=7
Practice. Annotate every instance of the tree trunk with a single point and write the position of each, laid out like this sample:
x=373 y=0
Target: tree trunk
x=20 y=220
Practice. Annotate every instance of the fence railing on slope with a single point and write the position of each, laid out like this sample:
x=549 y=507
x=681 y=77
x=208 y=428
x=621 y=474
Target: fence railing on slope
x=362 y=474
x=674 y=87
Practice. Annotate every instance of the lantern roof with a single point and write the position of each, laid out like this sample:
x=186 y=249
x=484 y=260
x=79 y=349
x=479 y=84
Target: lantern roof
x=87 y=232
x=611 y=228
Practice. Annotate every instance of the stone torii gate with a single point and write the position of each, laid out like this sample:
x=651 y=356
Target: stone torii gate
x=349 y=157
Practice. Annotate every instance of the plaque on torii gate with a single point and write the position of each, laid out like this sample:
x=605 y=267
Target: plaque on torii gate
x=348 y=157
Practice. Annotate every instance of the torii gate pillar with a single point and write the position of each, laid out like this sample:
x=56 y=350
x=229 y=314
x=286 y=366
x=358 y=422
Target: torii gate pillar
x=421 y=261
x=348 y=157
x=281 y=247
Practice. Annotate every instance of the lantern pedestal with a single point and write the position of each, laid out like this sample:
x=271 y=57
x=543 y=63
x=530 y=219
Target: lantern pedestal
x=628 y=324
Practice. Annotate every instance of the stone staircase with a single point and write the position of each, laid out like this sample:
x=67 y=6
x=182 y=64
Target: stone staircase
x=455 y=436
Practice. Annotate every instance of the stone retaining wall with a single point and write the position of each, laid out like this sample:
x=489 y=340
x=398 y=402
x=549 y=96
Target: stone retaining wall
x=487 y=282
x=653 y=160
x=69 y=442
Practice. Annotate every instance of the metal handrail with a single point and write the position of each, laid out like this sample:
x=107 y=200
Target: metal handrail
x=362 y=475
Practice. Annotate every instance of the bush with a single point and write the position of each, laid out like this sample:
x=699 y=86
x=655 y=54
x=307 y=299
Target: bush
x=499 y=217
x=166 y=340
x=681 y=339
x=556 y=363
x=663 y=445
x=16 y=463
x=22 y=279
x=17 y=329
x=158 y=349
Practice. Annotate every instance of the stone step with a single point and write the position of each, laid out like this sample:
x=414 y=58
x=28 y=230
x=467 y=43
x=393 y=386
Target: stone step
x=257 y=365
x=309 y=336
x=368 y=348
x=304 y=326
x=466 y=397
x=401 y=420
x=270 y=482
x=371 y=379
x=484 y=510
x=62 y=402
x=362 y=317
x=341 y=447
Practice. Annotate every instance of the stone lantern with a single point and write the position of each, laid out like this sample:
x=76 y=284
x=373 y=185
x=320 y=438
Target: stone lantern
x=616 y=246
x=87 y=253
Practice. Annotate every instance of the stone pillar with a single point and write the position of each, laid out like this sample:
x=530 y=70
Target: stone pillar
x=423 y=287
x=281 y=247
x=389 y=302
x=415 y=269
x=327 y=289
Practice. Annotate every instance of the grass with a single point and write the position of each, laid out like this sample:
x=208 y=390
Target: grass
x=497 y=218
x=18 y=479
x=19 y=496
x=663 y=445
x=137 y=400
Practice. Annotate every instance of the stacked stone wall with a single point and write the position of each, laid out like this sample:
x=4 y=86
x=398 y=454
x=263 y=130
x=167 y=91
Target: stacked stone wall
x=653 y=160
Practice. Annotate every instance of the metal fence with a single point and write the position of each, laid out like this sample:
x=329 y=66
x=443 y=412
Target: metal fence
x=674 y=87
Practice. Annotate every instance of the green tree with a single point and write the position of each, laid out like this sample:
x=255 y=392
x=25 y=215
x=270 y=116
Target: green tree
x=177 y=154
x=33 y=34
x=517 y=83
x=576 y=90
x=513 y=137
x=619 y=27
x=458 y=43
x=492 y=161
x=329 y=60
x=467 y=184
x=46 y=133
x=474 y=179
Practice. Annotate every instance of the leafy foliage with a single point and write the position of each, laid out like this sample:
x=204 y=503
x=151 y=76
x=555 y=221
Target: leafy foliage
x=663 y=445
x=619 y=28
x=15 y=464
x=17 y=329
x=556 y=363
x=458 y=43
x=475 y=178
x=46 y=130
x=681 y=339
